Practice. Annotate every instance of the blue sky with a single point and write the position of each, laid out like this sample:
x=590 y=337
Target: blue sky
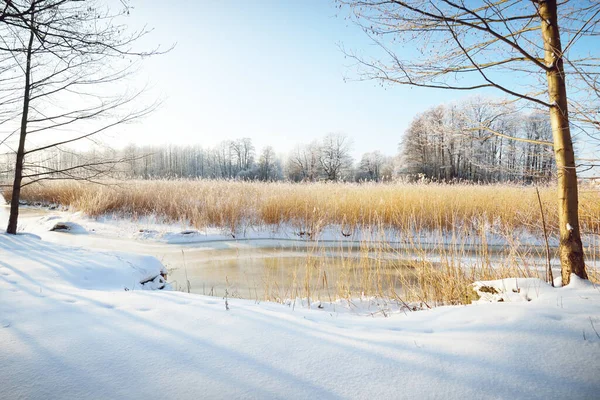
x=271 y=70
x=266 y=69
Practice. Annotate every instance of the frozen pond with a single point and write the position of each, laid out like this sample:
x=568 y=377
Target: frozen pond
x=284 y=268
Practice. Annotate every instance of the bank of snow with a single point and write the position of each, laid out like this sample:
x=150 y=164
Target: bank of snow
x=77 y=324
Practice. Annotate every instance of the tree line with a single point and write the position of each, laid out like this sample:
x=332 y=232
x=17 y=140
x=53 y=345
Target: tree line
x=326 y=159
x=476 y=140
x=480 y=141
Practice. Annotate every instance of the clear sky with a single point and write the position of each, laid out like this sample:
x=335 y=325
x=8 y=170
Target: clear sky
x=270 y=70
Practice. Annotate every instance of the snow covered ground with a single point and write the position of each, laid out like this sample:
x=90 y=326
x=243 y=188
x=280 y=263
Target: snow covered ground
x=77 y=323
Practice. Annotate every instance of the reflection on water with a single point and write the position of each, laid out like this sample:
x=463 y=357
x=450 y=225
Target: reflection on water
x=286 y=273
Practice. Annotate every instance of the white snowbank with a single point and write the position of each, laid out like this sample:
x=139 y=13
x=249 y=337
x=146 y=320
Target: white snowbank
x=525 y=289
x=69 y=329
x=43 y=264
x=56 y=225
x=521 y=289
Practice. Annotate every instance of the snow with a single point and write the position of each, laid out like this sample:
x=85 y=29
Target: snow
x=54 y=223
x=49 y=265
x=514 y=290
x=75 y=323
x=153 y=228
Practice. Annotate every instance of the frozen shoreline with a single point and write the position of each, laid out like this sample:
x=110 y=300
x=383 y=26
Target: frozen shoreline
x=152 y=230
x=211 y=251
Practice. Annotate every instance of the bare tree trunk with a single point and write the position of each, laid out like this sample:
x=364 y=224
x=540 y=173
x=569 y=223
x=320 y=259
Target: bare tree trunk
x=571 y=248
x=16 y=192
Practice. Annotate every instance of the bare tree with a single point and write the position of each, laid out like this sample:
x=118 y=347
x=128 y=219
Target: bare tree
x=467 y=140
x=303 y=162
x=244 y=150
x=460 y=45
x=371 y=166
x=335 y=155
x=268 y=165
x=70 y=56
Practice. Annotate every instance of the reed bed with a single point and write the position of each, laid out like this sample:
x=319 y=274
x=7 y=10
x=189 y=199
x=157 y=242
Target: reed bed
x=234 y=204
x=453 y=216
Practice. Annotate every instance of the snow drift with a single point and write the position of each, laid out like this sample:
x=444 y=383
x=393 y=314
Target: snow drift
x=74 y=324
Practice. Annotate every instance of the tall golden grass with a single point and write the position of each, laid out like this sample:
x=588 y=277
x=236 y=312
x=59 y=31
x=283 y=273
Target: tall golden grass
x=232 y=204
x=452 y=215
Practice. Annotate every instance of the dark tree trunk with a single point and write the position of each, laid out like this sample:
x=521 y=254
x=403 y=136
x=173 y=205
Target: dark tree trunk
x=16 y=192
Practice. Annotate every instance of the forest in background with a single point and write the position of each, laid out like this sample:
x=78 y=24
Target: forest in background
x=473 y=141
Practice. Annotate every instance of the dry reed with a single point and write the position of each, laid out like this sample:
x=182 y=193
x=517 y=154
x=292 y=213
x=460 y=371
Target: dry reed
x=453 y=214
x=234 y=204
